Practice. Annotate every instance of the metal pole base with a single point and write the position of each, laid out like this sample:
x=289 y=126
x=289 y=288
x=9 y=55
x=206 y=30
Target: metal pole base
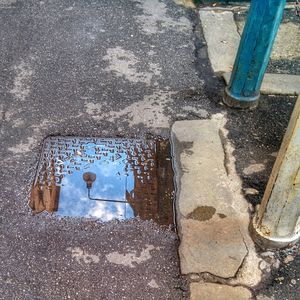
x=241 y=102
x=268 y=242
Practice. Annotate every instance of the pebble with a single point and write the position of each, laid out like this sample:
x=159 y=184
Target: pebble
x=293 y=281
x=251 y=191
x=280 y=278
x=288 y=259
x=267 y=254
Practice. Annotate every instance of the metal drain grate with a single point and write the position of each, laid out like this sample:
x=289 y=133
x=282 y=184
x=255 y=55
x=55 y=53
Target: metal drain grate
x=105 y=178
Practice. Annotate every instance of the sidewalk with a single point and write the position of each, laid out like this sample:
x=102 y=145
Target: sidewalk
x=223 y=26
x=223 y=162
x=130 y=69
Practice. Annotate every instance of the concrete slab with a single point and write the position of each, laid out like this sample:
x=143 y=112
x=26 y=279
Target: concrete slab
x=222 y=35
x=198 y=185
x=222 y=38
x=215 y=247
x=276 y=84
x=211 y=238
x=212 y=291
x=212 y=215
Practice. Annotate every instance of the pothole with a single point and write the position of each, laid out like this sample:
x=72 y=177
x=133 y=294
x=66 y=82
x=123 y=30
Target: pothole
x=105 y=178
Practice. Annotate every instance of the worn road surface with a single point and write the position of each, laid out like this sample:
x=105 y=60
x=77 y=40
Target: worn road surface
x=95 y=68
x=105 y=68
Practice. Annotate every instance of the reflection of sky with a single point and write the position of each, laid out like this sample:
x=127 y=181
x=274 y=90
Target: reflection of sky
x=111 y=184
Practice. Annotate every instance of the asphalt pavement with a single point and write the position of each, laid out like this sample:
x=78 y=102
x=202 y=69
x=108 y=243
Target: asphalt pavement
x=107 y=69
x=88 y=68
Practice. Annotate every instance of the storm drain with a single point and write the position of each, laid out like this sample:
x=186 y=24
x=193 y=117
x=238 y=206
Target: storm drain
x=105 y=178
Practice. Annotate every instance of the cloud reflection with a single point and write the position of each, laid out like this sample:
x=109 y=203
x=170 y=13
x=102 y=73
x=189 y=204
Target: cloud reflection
x=111 y=184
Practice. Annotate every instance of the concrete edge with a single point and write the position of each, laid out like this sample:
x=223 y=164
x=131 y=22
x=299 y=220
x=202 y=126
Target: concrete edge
x=276 y=84
x=175 y=153
x=222 y=49
x=249 y=272
x=222 y=41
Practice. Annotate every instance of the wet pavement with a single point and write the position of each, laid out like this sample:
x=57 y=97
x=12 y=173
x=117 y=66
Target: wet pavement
x=125 y=69
x=102 y=69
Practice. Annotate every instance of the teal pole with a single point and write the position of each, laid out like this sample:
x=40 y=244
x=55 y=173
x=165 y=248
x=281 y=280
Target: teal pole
x=254 y=51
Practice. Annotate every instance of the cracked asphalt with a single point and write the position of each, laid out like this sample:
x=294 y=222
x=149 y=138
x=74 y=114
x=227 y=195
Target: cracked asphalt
x=109 y=69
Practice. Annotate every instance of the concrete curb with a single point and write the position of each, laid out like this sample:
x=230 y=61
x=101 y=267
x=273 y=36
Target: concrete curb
x=222 y=37
x=212 y=214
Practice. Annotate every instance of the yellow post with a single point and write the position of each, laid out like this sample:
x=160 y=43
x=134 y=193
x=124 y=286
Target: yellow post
x=277 y=221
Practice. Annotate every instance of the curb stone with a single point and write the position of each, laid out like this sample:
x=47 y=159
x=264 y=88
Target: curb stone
x=212 y=291
x=212 y=215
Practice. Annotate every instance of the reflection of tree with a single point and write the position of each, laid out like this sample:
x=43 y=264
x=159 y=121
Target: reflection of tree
x=151 y=197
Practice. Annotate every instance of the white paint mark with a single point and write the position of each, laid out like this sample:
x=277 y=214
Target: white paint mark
x=21 y=89
x=155 y=18
x=264 y=297
x=123 y=64
x=131 y=257
x=83 y=257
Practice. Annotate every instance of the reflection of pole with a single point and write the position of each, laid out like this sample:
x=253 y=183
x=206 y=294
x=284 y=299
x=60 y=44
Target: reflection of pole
x=258 y=36
x=277 y=222
x=125 y=190
x=104 y=200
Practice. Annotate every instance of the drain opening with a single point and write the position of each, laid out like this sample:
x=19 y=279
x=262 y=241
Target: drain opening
x=105 y=178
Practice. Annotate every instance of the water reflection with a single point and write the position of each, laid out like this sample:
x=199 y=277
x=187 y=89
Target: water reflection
x=104 y=178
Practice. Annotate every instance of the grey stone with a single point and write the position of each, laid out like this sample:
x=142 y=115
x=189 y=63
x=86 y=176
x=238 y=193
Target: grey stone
x=222 y=38
x=213 y=291
x=276 y=84
x=212 y=216
x=198 y=187
x=215 y=247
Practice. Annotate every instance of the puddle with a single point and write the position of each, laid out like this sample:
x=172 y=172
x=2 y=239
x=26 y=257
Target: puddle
x=105 y=178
